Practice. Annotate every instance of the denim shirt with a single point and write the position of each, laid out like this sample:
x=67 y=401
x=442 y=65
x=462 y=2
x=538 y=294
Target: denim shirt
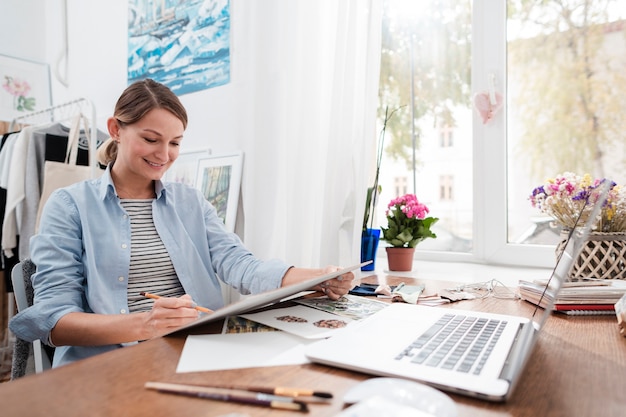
x=82 y=254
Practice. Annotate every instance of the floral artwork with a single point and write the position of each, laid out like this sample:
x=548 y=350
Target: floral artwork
x=565 y=197
x=24 y=87
x=19 y=89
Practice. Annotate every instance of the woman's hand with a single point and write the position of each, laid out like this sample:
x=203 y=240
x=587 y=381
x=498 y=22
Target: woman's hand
x=88 y=329
x=168 y=314
x=337 y=287
x=333 y=288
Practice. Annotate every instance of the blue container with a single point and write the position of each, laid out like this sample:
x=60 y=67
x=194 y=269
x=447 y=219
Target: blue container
x=369 y=246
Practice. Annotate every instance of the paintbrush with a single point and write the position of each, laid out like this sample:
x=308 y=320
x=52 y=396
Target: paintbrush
x=281 y=391
x=202 y=392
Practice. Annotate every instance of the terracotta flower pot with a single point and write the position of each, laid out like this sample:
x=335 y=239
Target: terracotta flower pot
x=400 y=259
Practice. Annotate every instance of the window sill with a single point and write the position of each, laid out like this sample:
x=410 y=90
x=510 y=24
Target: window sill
x=463 y=272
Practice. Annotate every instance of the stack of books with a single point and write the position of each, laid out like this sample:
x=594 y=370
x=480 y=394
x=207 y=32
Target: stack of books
x=620 y=311
x=583 y=297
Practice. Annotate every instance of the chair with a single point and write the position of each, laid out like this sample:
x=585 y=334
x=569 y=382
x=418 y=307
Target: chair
x=23 y=291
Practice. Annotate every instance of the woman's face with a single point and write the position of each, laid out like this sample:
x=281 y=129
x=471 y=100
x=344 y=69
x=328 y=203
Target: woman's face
x=147 y=148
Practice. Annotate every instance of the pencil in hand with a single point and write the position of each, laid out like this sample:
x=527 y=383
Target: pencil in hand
x=155 y=297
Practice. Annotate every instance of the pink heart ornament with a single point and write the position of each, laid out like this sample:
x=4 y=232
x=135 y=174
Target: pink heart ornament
x=486 y=108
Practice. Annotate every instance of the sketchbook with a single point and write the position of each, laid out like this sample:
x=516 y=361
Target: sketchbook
x=256 y=301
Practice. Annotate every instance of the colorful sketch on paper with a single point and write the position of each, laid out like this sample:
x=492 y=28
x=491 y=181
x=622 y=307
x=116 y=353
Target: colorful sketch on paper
x=236 y=324
x=352 y=306
x=303 y=321
x=184 y=44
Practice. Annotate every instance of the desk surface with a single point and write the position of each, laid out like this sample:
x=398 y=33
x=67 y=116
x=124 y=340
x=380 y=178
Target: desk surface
x=578 y=369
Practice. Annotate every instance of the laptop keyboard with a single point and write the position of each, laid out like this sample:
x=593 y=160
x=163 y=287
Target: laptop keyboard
x=456 y=342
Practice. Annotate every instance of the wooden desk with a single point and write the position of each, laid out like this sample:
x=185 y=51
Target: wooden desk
x=578 y=369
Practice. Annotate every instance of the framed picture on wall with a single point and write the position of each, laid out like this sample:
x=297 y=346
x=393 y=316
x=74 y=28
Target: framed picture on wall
x=185 y=168
x=182 y=44
x=25 y=87
x=219 y=180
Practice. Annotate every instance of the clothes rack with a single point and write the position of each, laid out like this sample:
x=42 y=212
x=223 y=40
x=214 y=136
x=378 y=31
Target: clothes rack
x=64 y=112
x=59 y=113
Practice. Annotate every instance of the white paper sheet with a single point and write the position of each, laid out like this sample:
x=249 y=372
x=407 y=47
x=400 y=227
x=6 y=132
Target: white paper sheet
x=302 y=321
x=215 y=352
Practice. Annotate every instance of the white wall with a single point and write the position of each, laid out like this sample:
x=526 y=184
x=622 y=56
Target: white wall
x=95 y=65
x=220 y=119
x=17 y=39
x=248 y=114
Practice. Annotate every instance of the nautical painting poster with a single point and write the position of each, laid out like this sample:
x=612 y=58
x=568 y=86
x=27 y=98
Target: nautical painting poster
x=184 y=44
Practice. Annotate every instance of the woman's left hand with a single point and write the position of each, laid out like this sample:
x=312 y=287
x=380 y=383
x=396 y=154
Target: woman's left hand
x=337 y=287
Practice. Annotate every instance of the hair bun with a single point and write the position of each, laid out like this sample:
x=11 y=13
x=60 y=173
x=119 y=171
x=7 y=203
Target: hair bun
x=107 y=152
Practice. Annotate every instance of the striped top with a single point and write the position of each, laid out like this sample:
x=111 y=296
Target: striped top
x=151 y=269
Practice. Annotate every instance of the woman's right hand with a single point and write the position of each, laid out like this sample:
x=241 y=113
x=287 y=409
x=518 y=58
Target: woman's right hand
x=168 y=314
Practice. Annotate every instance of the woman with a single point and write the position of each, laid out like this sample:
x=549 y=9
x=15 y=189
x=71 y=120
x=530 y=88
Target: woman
x=104 y=242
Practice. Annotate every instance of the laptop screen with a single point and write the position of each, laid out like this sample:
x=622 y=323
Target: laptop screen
x=574 y=244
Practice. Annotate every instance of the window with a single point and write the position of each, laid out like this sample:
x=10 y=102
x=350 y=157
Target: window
x=493 y=98
x=400 y=187
x=446 y=136
x=445 y=188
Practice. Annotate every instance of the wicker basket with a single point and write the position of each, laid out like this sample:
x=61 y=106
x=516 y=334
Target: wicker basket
x=603 y=257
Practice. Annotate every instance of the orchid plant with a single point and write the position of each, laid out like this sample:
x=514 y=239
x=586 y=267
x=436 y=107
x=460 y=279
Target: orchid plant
x=372 y=192
x=565 y=197
x=407 y=223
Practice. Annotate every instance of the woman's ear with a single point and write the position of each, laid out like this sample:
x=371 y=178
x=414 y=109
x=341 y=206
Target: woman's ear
x=114 y=128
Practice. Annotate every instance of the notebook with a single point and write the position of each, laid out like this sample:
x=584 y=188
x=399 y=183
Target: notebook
x=255 y=301
x=472 y=353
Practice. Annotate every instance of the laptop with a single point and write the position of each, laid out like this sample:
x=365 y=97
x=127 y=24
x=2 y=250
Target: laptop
x=255 y=301
x=476 y=354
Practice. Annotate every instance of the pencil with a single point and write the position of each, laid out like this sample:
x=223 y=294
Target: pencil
x=154 y=297
x=200 y=392
x=284 y=391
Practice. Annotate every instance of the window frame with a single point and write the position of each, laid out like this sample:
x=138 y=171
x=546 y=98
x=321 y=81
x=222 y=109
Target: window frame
x=490 y=189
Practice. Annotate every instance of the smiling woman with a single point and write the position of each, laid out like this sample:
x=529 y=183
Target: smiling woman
x=146 y=149
x=106 y=242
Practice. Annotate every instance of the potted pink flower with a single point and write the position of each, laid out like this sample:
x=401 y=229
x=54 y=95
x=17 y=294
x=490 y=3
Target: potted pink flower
x=407 y=225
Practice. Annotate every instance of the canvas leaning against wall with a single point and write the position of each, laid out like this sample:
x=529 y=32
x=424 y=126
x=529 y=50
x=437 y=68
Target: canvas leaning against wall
x=185 y=168
x=218 y=177
x=219 y=180
x=184 y=44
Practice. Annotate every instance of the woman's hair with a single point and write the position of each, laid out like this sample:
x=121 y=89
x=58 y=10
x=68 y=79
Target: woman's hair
x=134 y=103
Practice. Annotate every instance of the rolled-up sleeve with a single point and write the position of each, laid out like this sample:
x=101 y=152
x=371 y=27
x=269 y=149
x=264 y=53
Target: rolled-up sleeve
x=58 y=283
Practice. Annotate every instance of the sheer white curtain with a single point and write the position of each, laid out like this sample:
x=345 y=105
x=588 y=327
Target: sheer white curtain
x=311 y=136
